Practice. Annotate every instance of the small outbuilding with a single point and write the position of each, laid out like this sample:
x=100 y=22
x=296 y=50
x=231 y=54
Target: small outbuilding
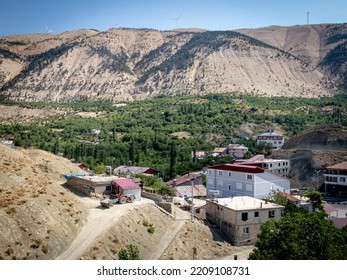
x=91 y=185
x=126 y=186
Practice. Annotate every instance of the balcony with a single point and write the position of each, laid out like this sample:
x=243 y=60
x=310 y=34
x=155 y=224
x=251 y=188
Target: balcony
x=331 y=179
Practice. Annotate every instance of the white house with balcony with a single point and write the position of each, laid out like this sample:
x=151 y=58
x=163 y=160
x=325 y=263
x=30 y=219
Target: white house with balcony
x=335 y=179
x=271 y=138
x=240 y=218
x=229 y=180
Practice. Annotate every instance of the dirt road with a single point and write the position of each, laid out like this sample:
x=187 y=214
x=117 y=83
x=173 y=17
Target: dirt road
x=98 y=221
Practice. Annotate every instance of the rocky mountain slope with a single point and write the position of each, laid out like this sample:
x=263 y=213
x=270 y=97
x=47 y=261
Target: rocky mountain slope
x=128 y=64
x=313 y=149
x=322 y=46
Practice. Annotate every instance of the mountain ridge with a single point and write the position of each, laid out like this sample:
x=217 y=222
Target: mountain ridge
x=128 y=64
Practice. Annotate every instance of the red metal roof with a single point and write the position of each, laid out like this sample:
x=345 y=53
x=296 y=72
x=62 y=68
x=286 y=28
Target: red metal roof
x=339 y=222
x=339 y=166
x=126 y=184
x=239 y=168
x=329 y=208
x=183 y=179
x=289 y=197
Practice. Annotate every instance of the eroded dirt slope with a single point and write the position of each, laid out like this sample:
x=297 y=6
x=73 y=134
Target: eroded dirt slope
x=38 y=217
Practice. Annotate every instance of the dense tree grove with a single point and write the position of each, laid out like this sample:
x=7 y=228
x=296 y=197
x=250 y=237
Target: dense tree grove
x=162 y=132
x=299 y=235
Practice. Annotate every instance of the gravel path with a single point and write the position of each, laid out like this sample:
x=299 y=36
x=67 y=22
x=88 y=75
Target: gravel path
x=98 y=221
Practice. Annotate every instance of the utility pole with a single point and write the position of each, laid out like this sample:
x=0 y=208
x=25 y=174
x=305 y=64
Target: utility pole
x=192 y=205
x=112 y=166
x=317 y=172
x=308 y=17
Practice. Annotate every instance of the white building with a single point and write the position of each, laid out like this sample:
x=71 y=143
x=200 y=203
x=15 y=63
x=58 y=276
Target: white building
x=95 y=131
x=277 y=166
x=272 y=138
x=335 y=179
x=240 y=218
x=243 y=180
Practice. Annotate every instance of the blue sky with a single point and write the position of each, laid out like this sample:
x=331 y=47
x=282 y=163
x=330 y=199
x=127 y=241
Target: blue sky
x=30 y=16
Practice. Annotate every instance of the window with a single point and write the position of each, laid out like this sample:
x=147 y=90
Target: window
x=249 y=188
x=220 y=183
x=209 y=171
x=246 y=230
x=108 y=188
x=220 y=173
x=342 y=179
x=229 y=187
x=229 y=174
x=249 y=176
x=256 y=214
x=239 y=186
x=271 y=214
x=244 y=216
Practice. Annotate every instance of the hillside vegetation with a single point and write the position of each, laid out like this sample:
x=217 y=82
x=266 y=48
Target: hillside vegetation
x=163 y=132
x=131 y=64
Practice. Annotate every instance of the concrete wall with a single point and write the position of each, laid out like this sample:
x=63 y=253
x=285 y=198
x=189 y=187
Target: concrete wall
x=266 y=182
x=155 y=197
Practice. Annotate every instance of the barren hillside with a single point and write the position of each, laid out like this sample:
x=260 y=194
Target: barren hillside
x=128 y=64
x=172 y=239
x=322 y=46
x=38 y=217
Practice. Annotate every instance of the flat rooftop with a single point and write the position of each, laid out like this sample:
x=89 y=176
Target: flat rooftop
x=245 y=203
x=99 y=179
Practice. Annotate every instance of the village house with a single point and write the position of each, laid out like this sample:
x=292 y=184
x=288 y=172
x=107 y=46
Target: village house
x=237 y=150
x=198 y=154
x=275 y=140
x=335 y=179
x=95 y=132
x=219 y=152
x=187 y=184
x=8 y=142
x=100 y=186
x=124 y=169
x=277 y=166
x=231 y=180
x=125 y=186
x=299 y=201
x=240 y=218
x=92 y=185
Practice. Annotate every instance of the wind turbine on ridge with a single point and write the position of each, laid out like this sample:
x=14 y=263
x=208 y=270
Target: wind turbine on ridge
x=48 y=30
x=176 y=19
